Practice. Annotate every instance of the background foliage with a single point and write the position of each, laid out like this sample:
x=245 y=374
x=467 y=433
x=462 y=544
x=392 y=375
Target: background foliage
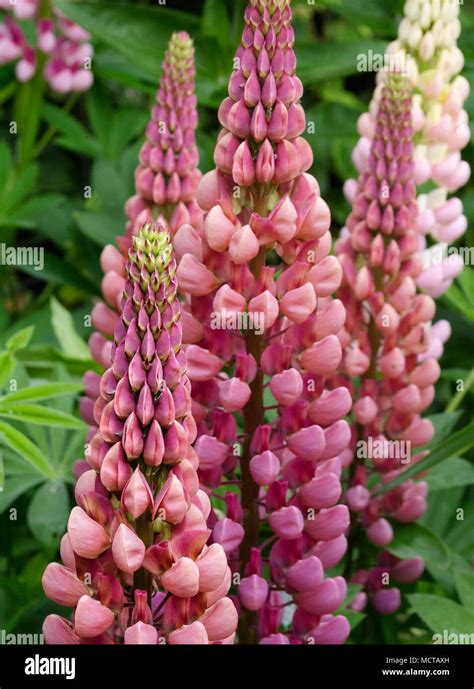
x=62 y=148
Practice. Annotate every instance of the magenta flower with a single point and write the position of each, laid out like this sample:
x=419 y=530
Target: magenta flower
x=63 y=46
x=165 y=182
x=387 y=342
x=136 y=567
x=262 y=335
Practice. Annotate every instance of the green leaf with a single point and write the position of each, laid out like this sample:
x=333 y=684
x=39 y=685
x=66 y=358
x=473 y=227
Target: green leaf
x=18 y=188
x=7 y=366
x=460 y=536
x=20 y=339
x=102 y=228
x=331 y=59
x=74 y=136
x=2 y=473
x=15 y=486
x=48 y=513
x=443 y=425
x=42 y=391
x=109 y=185
x=465 y=587
x=26 y=449
x=65 y=330
x=100 y=112
x=466 y=281
x=128 y=28
x=456 y=298
x=27 y=215
x=40 y=415
x=441 y=614
x=215 y=22
x=451 y=473
x=126 y=125
x=58 y=270
x=456 y=444
x=5 y=166
x=412 y=540
x=441 y=511
x=354 y=618
x=372 y=13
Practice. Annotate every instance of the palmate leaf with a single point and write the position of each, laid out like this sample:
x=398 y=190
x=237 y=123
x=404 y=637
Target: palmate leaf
x=42 y=391
x=23 y=446
x=40 y=415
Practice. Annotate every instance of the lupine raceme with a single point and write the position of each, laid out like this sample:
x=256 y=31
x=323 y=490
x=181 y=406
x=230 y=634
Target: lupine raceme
x=136 y=565
x=262 y=335
x=62 y=50
x=165 y=183
x=426 y=48
x=388 y=365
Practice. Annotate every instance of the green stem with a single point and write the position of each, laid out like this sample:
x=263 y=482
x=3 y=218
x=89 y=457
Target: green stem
x=142 y=579
x=29 y=104
x=253 y=417
x=51 y=131
x=460 y=395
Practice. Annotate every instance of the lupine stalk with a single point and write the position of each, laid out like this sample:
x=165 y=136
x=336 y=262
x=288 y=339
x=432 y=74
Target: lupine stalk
x=427 y=48
x=165 y=182
x=136 y=567
x=62 y=45
x=387 y=361
x=262 y=334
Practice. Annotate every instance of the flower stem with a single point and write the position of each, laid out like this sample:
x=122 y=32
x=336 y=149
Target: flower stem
x=253 y=417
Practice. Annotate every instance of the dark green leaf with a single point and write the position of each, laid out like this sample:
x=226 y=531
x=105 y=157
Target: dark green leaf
x=74 y=136
x=48 y=513
x=26 y=449
x=465 y=587
x=451 y=447
x=442 y=614
x=412 y=540
x=451 y=473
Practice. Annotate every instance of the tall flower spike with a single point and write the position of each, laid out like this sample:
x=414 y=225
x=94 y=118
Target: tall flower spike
x=165 y=182
x=259 y=319
x=136 y=564
x=427 y=49
x=386 y=344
